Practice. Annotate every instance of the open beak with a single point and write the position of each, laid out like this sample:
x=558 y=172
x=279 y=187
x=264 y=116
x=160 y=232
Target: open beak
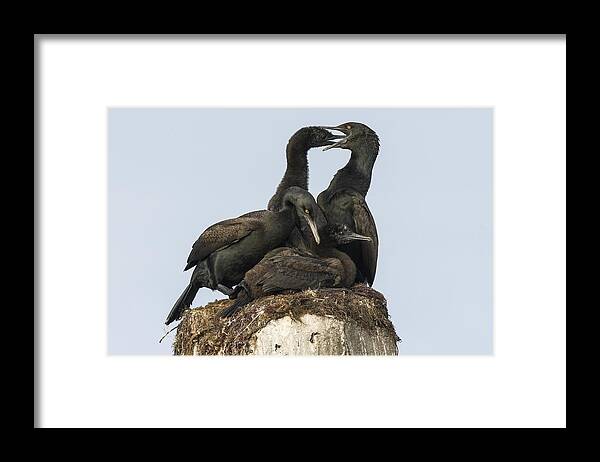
x=340 y=128
x=358 y=237
x=338 y=142
x=332 y=139
x=313 y=228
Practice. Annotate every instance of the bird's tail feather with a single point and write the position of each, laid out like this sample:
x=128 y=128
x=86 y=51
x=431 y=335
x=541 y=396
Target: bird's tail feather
x=182 y=303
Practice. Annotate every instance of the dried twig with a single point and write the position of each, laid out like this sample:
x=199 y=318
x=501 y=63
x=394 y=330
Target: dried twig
x=170 y=330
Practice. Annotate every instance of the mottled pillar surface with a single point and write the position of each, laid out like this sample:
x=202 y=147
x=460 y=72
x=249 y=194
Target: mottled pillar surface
x=313 y=322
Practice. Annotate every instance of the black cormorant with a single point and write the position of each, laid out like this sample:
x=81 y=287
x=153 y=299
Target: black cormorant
x=296 y=174
x=226 y=250
x=344 y=200
x=289 y=268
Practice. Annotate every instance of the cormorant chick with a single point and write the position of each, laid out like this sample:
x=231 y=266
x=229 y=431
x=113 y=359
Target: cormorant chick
x=288 y=268
x=296 y=172
x=226 y=250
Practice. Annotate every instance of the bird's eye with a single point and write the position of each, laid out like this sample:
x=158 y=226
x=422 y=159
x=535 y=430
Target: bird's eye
x=307 y=211
x=348 y=127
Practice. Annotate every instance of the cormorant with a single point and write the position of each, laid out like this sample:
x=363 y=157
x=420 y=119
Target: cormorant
x=344 y=200
x=289 y=268
x=296 y=174
x=226 y=250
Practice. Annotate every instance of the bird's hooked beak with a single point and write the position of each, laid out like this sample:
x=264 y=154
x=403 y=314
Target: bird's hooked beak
x=331 y=139
x=340 y=140
x=358 y=237
x=313 y=228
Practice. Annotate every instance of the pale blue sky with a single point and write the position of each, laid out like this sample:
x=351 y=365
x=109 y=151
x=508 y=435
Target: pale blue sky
x=173 y=172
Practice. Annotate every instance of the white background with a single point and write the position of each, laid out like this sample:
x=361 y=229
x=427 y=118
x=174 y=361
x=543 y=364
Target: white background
x=523 y=384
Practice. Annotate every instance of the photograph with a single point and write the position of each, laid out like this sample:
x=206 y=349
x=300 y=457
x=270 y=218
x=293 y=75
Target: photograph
x=302 y=231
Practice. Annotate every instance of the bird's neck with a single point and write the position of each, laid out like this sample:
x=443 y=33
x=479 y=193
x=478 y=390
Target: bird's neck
x=356 y=174
x=297 y=159
x=296 y=172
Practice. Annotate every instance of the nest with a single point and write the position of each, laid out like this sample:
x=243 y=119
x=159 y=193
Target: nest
x=203 y=332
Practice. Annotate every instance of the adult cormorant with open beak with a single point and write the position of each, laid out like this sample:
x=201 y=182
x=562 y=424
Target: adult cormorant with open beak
x=344 y=200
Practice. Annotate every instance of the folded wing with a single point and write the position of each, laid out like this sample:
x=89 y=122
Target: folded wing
x=220 y=236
